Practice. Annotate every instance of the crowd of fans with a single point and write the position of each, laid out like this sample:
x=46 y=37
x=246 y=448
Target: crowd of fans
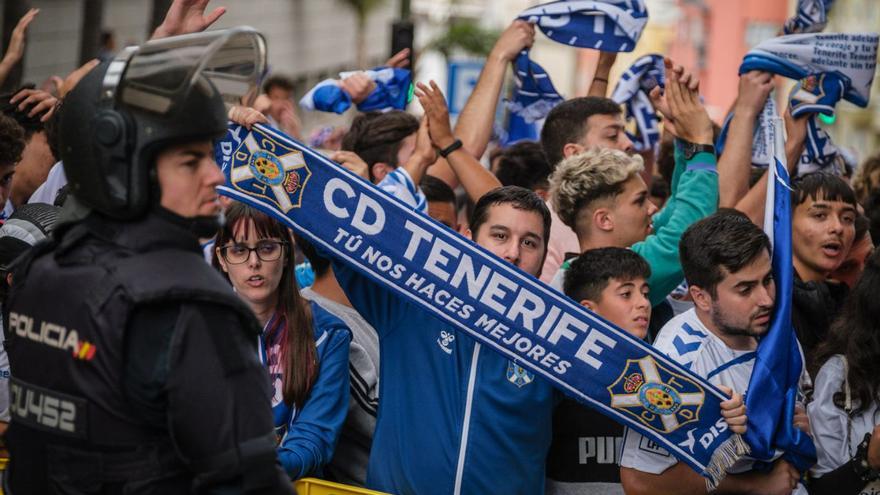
x=667 y=247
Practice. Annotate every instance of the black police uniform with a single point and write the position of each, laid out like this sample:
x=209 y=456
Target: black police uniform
x=135 y=368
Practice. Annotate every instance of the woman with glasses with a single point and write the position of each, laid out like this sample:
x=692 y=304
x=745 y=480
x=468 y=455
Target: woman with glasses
x=304 y=348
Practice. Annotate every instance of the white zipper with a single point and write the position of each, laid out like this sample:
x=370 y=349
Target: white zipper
x=462 y=449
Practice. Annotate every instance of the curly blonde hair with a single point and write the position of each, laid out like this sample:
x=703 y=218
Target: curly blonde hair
x=581 y=180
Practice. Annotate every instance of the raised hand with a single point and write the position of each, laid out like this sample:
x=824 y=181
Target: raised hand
x=399 y=60
x=358 y=86
x=246 y=116
x=185 y=17
x=41 y=102
x=517 y=37
x=15 y=50
x=688 y=115
x=754 y=88
x=74 y=77
x=437 y=114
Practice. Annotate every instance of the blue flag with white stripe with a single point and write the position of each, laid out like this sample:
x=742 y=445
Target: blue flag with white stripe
x=779 y=364
x=607 y=25
x=633 y=91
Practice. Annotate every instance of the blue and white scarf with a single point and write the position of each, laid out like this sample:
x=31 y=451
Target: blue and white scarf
x=632 y=90
x=533 y=98
x=853 y=56
x=811 y=17
x=393 y=91
x=607 y=25
x=845 y=61
x=820 y=154
x=577 y=351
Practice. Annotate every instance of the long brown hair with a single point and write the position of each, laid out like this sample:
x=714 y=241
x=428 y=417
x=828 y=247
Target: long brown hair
x=298 y=353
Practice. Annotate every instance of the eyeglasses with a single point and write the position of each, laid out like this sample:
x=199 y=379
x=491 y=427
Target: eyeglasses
x=236 y=254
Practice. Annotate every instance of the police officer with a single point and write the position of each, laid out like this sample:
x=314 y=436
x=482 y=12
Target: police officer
x=135 y=365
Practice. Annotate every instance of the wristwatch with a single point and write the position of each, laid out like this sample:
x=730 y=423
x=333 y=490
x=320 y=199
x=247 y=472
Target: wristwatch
x=449 y=149
x=690 y=150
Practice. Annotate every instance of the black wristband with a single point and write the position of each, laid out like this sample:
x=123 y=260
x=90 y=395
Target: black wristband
x=452 y=147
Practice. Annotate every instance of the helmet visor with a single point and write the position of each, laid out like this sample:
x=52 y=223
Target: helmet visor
x=160 y=74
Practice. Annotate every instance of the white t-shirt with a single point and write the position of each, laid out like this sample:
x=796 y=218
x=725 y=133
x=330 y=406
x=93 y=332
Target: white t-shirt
x=836 y=438
x=686 y=340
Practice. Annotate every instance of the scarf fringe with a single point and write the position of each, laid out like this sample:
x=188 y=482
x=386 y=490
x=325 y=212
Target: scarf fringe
x=725 y=456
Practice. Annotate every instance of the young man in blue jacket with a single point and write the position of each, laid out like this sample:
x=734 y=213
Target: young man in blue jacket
x=455 y=417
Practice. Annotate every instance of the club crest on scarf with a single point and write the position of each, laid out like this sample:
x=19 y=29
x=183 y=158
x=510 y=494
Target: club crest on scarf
x=264 y=167
x=655 y=396
x=518 y=375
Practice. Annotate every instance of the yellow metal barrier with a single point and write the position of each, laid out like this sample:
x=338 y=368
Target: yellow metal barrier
x=314 y=486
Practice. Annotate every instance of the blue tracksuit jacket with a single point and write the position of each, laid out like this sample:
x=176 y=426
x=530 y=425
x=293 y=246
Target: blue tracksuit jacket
x=454 y=417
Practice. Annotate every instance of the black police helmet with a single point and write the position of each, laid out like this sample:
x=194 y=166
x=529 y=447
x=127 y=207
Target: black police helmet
x=109 y=148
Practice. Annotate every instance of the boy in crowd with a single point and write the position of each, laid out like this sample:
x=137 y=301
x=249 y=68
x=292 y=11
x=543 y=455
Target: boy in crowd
x=726 y=261
x=613 y=283
x=824 y=211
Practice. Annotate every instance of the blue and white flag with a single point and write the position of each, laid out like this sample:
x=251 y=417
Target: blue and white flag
x=607 y=25
x=632 y=90
x=811 y=17
x=778 y=365
x=407 y=252
x=852 y=56
x=393 y=90
x=533 y=98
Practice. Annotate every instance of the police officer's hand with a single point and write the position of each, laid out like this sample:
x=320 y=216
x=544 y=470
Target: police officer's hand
x=185 y=17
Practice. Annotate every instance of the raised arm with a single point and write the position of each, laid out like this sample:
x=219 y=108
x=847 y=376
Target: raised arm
x=599 y=85
x=15 y=50
x=753 y=202
x=735 y=164
x=474 y=125
x=475 y=179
